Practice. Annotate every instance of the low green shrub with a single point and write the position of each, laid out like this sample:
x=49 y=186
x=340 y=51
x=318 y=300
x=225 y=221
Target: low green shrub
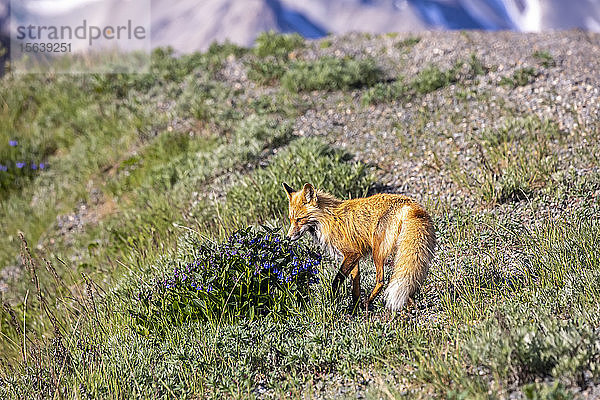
x=326 y=73
x=330 y=73
x=209 y=100
x=545 y=58
x=520 y=77
x=266 y=72
x=409 y=42
x=428 y=80
x=546 y=391
x=277 y=45
x=264 y=104
x=476 y=67
x=513 y=185
x=385 y=92
x=325 y=44
x=432 y=78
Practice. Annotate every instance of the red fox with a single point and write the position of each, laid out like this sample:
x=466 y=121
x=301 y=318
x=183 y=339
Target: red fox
x=383 y=225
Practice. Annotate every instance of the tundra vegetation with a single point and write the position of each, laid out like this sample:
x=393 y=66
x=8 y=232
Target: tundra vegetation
x=152 y=262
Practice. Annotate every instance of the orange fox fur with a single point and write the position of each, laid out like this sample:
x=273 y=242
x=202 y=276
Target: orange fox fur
x=384 y=225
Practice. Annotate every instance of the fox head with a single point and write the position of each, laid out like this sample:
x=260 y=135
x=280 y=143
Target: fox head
x=303 y=210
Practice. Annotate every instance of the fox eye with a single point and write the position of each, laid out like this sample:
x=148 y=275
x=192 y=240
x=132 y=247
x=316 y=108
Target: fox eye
x=301 y=219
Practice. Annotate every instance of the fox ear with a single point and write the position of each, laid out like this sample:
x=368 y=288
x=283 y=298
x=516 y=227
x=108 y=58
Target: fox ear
x=288 y=189
x=309 y=193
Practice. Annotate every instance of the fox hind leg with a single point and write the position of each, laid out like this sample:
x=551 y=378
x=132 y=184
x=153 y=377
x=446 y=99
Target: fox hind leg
x=379 y=261
x=381 y=249
x=384 y=242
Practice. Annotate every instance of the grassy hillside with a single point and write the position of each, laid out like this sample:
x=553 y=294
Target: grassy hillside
x=132 y=278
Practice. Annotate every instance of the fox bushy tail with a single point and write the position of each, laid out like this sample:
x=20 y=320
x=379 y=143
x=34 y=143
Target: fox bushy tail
x=414 y=251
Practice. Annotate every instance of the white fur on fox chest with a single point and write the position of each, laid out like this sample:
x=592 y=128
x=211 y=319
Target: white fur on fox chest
x=326 y=245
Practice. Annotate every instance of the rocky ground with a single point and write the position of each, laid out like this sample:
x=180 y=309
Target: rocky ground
x=403 y=138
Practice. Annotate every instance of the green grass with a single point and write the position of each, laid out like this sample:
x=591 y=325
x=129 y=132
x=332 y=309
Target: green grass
x=167 y=161
x=428 y=80
x=82 y=126
x=514 y=160
x=485 y=329
x=545 y=58
x=325 y=43
x=521 y=77
x=408 y=42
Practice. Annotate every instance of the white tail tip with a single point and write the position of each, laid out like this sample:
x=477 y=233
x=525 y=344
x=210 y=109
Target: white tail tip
x=397 y=294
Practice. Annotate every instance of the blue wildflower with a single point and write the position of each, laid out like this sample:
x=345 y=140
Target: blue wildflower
x=3 y=167
x=20 y=165
x=13 y=143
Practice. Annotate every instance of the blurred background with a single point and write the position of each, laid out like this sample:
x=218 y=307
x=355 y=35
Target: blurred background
x=189 y=25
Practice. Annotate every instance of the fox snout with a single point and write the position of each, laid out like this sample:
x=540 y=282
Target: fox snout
x=294 y=233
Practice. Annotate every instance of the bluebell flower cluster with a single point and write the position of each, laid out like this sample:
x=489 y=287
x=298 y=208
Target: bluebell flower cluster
x=21 y=164
x=268 y=252
x=250 y=273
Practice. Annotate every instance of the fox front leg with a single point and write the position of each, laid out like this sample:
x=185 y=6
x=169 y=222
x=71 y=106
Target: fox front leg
x=350 y=261
x=355 y=274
